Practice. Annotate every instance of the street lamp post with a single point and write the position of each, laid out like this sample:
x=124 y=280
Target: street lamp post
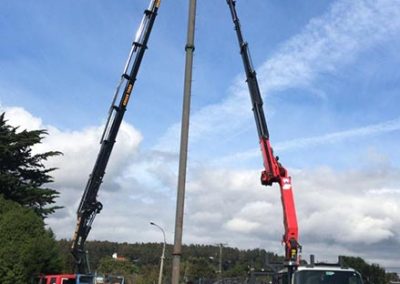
x=220 y=261
x=162 y=255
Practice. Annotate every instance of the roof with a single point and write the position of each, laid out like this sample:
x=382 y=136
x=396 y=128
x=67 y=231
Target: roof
x=325 y=267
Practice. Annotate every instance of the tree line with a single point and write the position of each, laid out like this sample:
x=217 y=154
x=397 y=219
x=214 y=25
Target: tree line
x=200 y=263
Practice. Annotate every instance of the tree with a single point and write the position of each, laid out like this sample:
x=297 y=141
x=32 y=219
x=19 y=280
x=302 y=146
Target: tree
x=22 y=173
x=392 y=276
x=371 y=273
x=110 y=266
x=27 y=248
x=199 y=268
x=149 y=275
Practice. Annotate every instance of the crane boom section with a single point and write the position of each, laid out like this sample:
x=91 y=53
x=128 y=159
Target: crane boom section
x=89 y=205
x=273 y=172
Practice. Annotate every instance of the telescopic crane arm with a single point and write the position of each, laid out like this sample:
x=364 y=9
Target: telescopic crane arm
x=89 y=205
x=273 y=172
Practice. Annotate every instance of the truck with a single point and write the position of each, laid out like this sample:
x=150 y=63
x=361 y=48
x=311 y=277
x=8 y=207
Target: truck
x=64 y=279
x=320 y=273
x=78 y=279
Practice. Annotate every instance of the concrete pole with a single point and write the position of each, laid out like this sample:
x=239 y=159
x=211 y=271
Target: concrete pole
x=177 y=251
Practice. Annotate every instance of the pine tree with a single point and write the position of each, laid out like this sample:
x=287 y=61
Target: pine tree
x=22 y=173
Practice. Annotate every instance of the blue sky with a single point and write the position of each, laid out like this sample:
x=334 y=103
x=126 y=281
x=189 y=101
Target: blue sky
x=329 y=75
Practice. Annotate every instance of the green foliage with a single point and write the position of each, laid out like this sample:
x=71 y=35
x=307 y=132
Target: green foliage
x=202 y=261
x=372 y=273
x=22 y=173
x=149 y=275
x=109 y=265
x=199 y=268
x=391 y=276
x=113 y=267
x=146 y=256
x=27 y=248
x=140 y=254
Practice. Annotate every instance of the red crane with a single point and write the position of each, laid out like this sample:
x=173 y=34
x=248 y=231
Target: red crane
x=273 y=171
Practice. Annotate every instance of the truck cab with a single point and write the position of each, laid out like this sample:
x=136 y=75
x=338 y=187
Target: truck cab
x=110 y=279
x=65 y=279
x=319 y=275
x=78 y=279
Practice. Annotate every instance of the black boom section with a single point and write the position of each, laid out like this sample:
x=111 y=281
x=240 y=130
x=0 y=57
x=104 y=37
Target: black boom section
x=251 y=77
x=89 y=205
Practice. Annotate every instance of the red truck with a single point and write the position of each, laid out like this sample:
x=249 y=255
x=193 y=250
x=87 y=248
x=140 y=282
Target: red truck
x=78 y=279
x=65 y=279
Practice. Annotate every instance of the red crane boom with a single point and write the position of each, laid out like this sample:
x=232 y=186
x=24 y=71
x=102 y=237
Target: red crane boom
x=273 y=172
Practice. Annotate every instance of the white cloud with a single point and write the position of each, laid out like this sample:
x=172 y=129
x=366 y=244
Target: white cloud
x=394 y=191
x=241 y=225
x=18 y=116
x=80 y=149
x=205 y=218
x=339 y=210
x=330 y=138
x=331 y=41
x=354 y=212
x=387 y=126
x=213 y=120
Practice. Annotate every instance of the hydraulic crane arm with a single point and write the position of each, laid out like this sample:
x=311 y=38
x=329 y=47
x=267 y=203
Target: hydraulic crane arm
x=89 y=205
x=273 y=172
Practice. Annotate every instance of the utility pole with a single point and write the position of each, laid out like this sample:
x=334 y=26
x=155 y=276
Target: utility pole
x=177 y=251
